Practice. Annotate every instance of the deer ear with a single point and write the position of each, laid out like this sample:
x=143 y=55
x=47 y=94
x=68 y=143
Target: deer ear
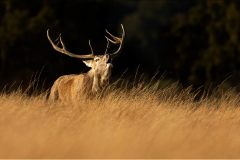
x=107 y=57
x=88 y=63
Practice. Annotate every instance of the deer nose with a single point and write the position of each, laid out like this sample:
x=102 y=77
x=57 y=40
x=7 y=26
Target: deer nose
x=109 y=66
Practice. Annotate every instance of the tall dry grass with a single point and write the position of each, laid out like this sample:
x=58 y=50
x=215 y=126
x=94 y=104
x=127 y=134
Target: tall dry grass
x=144 y=121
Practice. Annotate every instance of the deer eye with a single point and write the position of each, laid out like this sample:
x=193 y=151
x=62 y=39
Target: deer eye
x=97 y=59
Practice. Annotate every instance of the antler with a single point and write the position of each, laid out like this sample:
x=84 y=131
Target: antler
x=115 y=40
x=64 y=51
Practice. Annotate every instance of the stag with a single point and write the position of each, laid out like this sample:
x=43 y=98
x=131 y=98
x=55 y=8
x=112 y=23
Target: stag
x=69 y=87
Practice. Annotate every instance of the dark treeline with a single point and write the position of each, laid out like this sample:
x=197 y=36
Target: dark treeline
x=194 y=42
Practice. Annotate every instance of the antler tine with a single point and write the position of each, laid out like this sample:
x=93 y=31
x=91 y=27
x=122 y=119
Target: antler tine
x=64 y=51
x=89 y=42
x=57 y=39
x=116 y=40
x=107 y=45
x=63 y=45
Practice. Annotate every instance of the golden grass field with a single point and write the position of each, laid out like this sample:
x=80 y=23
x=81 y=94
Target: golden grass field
x=145 y=121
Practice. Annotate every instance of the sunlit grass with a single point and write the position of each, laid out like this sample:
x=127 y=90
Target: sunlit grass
x=141 y=121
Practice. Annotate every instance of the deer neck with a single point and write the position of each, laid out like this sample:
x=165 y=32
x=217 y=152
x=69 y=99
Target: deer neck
x=90 y=73
x=95 y=78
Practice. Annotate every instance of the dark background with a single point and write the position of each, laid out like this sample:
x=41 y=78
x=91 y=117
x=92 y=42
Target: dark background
x=194 y=42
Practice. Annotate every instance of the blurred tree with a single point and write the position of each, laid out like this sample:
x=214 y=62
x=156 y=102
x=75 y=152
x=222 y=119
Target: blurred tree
x=207 y=38
x=149 y=35
x=20 y=25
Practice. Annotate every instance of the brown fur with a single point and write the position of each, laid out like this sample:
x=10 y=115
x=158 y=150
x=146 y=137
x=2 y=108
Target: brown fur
x=70 y=87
